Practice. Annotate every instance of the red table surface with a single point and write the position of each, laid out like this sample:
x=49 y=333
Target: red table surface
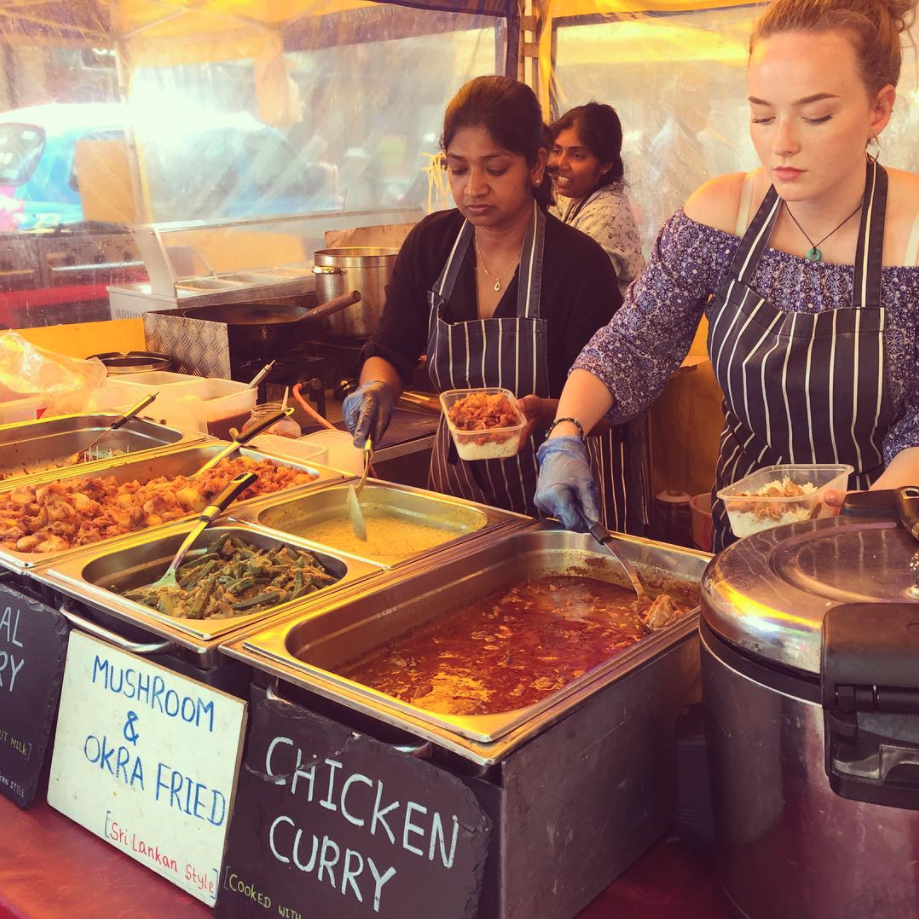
x=51 y=868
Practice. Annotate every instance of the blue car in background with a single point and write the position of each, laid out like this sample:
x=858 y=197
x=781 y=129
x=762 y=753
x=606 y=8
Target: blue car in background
x=228 y=165
x=38 y=186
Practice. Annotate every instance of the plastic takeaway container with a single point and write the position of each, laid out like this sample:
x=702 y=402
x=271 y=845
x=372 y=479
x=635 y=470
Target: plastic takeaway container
x=22 y=408
x=342 y=454
x=298 y=449
x=751 y=510
x=487 y=443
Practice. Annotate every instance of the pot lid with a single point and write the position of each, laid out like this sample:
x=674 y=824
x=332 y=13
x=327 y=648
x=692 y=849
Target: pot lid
x=769 y=593
x=134 y=361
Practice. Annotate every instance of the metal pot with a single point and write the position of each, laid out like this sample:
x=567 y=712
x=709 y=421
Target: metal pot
x=810 y=677
x=363 y=268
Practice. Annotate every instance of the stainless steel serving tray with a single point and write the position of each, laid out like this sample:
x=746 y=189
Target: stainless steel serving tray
x=97 y=577
x=294 y=514
x=48 y=442
x=307 y=651
x=181 y=461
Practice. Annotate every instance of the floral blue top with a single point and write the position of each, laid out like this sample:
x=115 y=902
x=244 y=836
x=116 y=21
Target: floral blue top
x=647 y=339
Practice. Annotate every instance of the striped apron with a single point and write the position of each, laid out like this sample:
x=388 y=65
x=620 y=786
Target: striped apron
x=511 y=353
x=617 y=459
x=801 y=387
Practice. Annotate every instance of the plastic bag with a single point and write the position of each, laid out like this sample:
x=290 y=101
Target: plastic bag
x=65 y=384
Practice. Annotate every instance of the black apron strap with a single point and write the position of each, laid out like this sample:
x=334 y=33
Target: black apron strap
x=869 y=255
x=755 y=240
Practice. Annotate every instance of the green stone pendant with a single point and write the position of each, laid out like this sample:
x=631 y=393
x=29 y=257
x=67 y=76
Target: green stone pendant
x=814 y=254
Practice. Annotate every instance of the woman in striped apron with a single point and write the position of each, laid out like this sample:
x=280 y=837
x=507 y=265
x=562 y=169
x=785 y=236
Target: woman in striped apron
x=585 y=162
x=495 y=293
x=814 y=310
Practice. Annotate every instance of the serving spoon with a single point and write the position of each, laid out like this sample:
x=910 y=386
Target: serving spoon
x=236 y=487
x=605 y=538
x=355 y=514
x=240 y=440
x=119 y=422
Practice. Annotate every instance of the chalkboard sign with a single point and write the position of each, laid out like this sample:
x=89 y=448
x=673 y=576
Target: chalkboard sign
x=329 y=824
x=147 y=759
x=33 y=644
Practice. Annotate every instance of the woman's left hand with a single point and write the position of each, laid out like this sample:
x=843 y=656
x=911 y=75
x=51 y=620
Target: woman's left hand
x=834 y=498
x=536 y=410
x=534 y=407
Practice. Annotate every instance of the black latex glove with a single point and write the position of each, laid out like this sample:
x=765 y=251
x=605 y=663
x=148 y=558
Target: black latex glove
x=368 y=411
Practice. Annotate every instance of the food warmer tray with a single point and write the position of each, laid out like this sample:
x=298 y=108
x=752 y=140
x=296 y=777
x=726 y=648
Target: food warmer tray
x=183 y=460
x=306 y=651
x=81 y=583
x=291 y=514
x=48 y=442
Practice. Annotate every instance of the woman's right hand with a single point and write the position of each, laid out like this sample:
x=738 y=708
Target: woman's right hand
x=565 y=488
x=368 y=410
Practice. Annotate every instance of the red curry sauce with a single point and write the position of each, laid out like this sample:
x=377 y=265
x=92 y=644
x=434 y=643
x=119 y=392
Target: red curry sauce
x=506 y=651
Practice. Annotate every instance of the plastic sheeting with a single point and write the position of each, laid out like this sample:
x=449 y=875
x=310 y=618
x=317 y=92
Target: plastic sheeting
x=678 y=82
x=231 y=113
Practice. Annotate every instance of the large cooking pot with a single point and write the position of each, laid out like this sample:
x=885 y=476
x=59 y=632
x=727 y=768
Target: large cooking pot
x=262 y=328
x=364 y=268
x=810 y=678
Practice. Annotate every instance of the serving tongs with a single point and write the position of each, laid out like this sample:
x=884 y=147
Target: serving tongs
x=355 y=514
x=119 y=422
x=205 y=519
x=241 y=439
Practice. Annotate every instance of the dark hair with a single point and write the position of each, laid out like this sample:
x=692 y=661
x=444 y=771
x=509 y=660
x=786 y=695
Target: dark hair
x=874 y=26
x=600 y=130
x=509 y=111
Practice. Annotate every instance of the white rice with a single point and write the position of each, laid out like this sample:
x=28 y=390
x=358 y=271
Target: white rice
x=746 y=523
x=493 y=450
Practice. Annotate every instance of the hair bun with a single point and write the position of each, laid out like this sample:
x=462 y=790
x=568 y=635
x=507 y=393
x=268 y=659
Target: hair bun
x=902 y=12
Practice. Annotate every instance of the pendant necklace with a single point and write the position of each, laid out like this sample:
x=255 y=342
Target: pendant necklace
x=488 y=274
x=814 y=254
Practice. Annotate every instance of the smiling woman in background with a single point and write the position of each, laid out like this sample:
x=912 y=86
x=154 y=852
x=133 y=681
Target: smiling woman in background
x=585 y=163
x=813 y=305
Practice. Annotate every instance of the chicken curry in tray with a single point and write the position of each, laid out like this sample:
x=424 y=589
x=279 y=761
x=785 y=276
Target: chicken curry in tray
x=507 y=650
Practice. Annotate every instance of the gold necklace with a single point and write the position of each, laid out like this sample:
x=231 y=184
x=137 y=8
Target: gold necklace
x=488 y=274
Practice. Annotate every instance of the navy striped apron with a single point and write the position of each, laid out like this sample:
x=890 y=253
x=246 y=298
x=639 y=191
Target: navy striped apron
x=511 y=353
x=801 y=387
x=617 y=459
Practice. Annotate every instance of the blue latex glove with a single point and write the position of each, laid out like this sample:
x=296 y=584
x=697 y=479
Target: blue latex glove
x=565 y=489
x=368 y=411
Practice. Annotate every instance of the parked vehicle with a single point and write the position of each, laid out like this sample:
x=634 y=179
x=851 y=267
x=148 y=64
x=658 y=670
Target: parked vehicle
x=223 y=165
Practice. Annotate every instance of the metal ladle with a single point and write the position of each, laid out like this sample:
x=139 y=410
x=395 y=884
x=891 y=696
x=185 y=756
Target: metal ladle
x=605 y=538
x=355 y=514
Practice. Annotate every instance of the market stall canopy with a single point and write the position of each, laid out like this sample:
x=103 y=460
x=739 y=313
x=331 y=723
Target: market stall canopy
x=55 y=21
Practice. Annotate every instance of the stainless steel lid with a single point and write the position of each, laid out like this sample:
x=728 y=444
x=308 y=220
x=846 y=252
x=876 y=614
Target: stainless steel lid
x=769 y=593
